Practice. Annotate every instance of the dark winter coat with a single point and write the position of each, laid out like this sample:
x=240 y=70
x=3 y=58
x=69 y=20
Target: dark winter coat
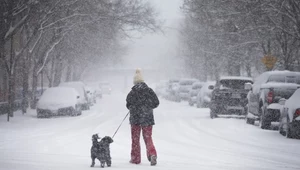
x=141 y=101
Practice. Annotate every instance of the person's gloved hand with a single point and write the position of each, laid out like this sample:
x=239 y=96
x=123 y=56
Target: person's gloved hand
x=131 y=107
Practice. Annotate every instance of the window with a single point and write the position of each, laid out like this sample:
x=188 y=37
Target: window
x=277 y=78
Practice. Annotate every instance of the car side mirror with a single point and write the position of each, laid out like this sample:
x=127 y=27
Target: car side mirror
x=248 y=86
x=211 y=87
x=282 y=101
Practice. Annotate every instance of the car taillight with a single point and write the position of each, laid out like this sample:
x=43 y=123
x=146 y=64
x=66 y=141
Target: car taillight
x=270 y=97
x=297 y=113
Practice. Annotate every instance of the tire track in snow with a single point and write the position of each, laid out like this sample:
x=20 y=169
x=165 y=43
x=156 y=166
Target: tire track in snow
x=278 y=161
x=194 y=128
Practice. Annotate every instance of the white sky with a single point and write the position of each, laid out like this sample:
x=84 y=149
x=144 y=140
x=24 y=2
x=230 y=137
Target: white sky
x=155 y=50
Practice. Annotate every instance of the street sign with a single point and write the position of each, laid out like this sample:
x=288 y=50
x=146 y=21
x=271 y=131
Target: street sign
x=269 y=61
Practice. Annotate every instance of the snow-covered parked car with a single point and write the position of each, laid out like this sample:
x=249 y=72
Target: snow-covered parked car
x=59 y=101
x=230 y=96
x=265 y=93
x=105 y=87
x=196 y=87
x=185 y=86
x=80 y=87
x=290 y=116
x=91 y=95
x=172 y=90
x=204 y=95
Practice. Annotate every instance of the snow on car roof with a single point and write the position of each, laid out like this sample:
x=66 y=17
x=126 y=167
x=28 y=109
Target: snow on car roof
x=297 y=94
x=280 y=85
x=188 y=80
x=79 y=86
x=210 y=83
x=59 y=94
x=293 y=102
x=198 y=83
x=236 y=78
x=284 y=72
x=73 y=82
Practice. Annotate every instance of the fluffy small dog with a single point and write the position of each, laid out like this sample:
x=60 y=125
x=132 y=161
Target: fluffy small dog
x=101 y=151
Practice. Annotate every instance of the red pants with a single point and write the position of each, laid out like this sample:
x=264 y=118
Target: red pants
x=136 y=148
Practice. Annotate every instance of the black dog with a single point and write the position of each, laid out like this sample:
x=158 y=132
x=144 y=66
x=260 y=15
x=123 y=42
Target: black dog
x=101 y=151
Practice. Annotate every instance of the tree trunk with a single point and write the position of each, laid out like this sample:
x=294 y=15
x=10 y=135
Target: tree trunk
x=76 y=76
x=69 y=72
x=58 y=72
x=216 y=72
x=248 y=69
x=25 y=85
x=11 y=84
x=229 y=67
x=52 y=72
x=11 y=81
x=5 y=79
x=34 y=89
x=236 y=70
x=5 y=86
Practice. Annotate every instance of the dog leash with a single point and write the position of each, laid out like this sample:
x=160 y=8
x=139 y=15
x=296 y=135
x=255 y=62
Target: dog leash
x=120 y=124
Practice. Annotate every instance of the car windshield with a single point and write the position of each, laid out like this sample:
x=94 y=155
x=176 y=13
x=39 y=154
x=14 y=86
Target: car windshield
x=195 y=87
x=186 y=83
x=233 y=84
x=284 y=79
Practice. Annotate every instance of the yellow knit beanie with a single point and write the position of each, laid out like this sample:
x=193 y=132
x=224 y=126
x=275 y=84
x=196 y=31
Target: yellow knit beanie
x=138 y=78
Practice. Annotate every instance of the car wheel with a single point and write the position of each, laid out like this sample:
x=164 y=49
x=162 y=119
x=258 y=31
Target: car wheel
x=250 y=121
x=79 y=111
x=39 y=115
x=213 y=114
x=73 y=112
x=198 y=105
x=263 y=122
x=288 y=132
x=281 y=131
x=281 y=124
x=85 y=107
x=204 y=105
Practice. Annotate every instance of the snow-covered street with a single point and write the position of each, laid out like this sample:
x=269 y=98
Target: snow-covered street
x=185 y=138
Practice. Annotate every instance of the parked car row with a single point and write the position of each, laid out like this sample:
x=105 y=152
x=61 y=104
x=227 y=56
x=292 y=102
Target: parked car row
x=69 y=98
x=193 y=91
x=274 y=96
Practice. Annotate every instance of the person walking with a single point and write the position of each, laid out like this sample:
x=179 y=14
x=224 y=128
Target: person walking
x=141 y=101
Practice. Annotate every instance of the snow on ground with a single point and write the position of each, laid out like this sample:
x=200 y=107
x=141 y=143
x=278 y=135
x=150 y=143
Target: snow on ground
x=185 y=138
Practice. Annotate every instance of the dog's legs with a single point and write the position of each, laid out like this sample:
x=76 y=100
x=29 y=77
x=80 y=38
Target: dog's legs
x=102 y=164
x=93 y=161
x=108 y=162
